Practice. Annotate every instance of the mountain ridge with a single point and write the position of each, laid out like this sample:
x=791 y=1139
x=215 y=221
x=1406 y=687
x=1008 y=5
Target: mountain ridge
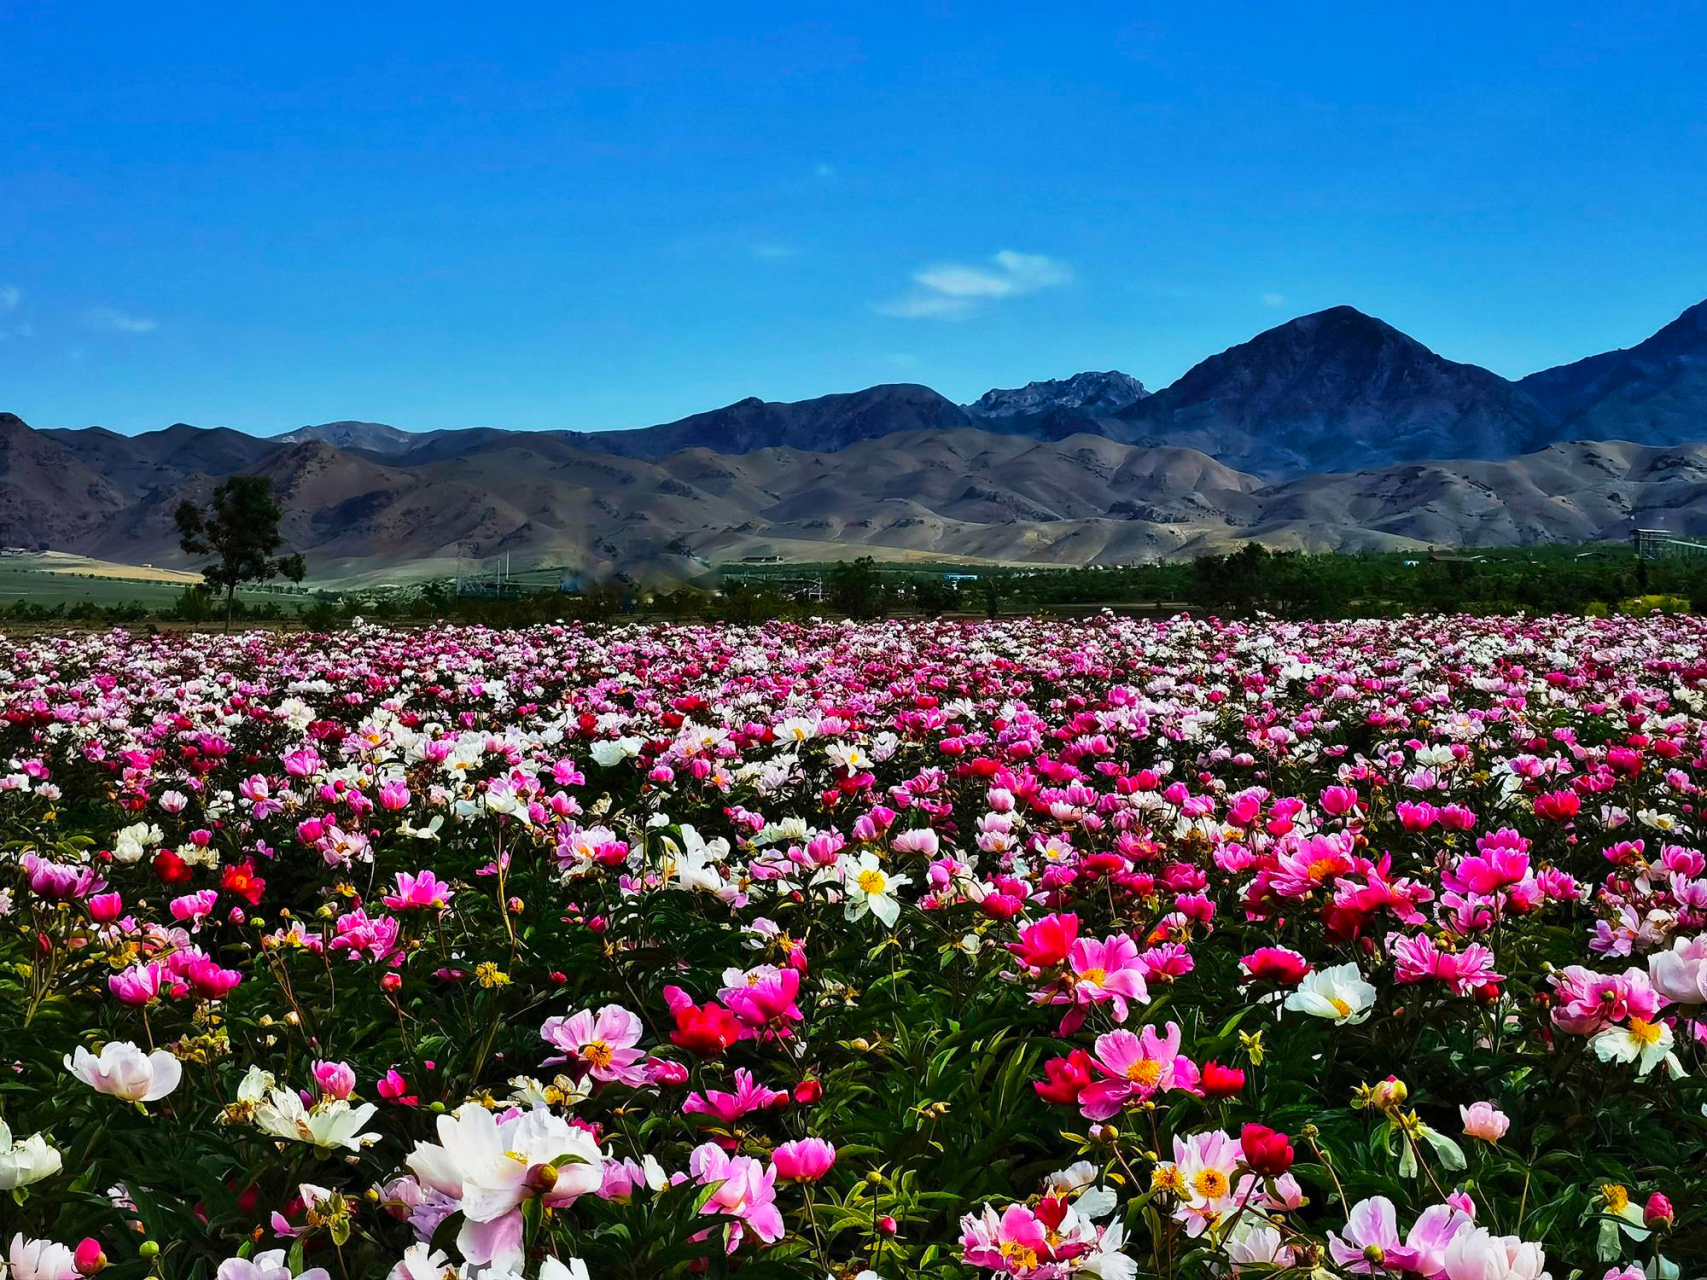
x=1327 y=430
x=1333 y=387
x=1095 y=395
x=1657 y=388
x=926 y=493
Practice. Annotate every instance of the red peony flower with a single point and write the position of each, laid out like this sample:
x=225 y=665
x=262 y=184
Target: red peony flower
x=1068 y=1078
x=1266 y=1152
x=171 y=868
x=705 y=1030
x=1221 y=1082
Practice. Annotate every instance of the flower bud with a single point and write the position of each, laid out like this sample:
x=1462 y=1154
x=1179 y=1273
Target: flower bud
x=335 y=1079
x=541 y=1178
x=1657 y=1212
x=89 y=1257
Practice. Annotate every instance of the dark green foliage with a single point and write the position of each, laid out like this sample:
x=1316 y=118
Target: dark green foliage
x=856 y=588
x=240 y=527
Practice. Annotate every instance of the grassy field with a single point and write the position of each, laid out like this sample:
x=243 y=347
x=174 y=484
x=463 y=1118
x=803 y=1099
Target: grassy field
x=50 y=588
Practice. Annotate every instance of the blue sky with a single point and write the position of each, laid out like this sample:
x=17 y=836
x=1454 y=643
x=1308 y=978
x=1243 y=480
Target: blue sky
x=588 y=216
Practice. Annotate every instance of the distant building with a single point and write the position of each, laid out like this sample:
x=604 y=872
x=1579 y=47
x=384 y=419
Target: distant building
x=1660 y=544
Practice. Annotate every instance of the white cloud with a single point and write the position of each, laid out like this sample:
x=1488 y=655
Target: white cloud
x=952 y=290
x=964 y=282
x=924 y=306
x=773 y=252
x=115 y=321
x=1033 y=270
x=11 y=297
x=1274 y=300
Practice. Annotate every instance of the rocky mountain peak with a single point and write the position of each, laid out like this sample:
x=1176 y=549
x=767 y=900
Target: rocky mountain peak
x=1093 y=394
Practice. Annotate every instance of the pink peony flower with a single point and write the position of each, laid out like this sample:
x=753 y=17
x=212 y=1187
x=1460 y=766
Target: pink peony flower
x=600 y=1045
x=804 y=1160
x=746 y=1192
x=1134 y=1066
x=1485 y=1121
x=334 y=1079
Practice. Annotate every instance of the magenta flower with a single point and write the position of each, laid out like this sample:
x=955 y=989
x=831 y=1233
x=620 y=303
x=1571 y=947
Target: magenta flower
x=804 y=1160
x=334 y=1079
x=140 y=984
x=745 y=1192
x=600 y=1045
x=193 y=908
x=1501 y=859
x=422 y=891
x=62 y=880
x=1586 y=1002
x=1133 y=1066
x=1370 y=1243
x=729 y=1107
x=766 y=1005
x=362 y=936
x=1110 y=971
x=1419 y=959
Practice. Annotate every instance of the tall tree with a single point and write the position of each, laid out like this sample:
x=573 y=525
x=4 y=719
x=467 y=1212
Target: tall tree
x=856 y=588
x=241 y=527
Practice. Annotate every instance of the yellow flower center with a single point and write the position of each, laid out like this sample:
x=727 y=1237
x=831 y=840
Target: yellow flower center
x=1098 y=976
x=1168 y=1179
x=598 y=1053
x=1023 y=1257
x=1145 y=1072
x=1322 y=868
x=1211 y=1184
x=1644 y=1033
x=1617 y=1198
x=1340 y=1006
x=871 y=882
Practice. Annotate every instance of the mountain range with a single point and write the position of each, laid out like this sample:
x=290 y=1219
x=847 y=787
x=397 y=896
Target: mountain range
x=1331 y=431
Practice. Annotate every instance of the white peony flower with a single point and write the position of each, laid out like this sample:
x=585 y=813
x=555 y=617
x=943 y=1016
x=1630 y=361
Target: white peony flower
x=1645 y=1043
x=329 y=1124
x=132 y=843
x=126 y=1072
x=28 y=1259
x=270 y=1265
x=871 y=889
x=26 y=1162
x=1478 y=1254
x=1339 y=993
x=489 y=1168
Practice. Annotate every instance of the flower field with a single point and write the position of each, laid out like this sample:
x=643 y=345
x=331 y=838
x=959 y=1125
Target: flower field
x=1039 y=949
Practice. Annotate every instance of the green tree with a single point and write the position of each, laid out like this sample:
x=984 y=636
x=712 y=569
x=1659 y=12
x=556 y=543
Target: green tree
x=856 y=588
x=240 y=527
x=935 y=595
